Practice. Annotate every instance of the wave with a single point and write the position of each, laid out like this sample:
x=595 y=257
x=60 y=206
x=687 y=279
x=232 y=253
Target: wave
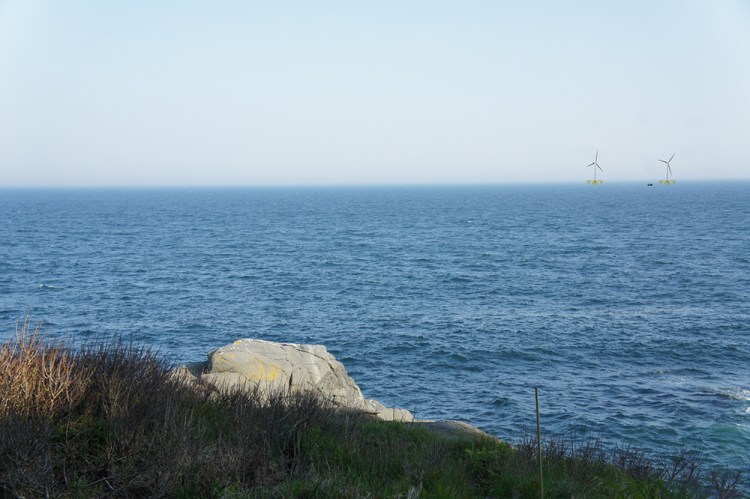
x=737 y=394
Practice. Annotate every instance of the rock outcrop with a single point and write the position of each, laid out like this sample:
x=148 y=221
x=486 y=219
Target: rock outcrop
x=250 y=363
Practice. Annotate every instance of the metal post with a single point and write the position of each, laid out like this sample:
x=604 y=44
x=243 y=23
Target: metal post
x=539 y=441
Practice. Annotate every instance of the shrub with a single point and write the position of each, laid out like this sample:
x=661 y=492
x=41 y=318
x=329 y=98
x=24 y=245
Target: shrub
x=110 y=418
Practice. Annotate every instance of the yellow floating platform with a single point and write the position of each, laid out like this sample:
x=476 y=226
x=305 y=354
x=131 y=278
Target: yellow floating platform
x=595 y=182
x=667 y=182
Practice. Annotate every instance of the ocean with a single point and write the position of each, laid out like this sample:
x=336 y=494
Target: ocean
x=628 y=305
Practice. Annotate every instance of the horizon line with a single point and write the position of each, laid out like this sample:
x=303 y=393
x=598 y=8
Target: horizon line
x=347 y=185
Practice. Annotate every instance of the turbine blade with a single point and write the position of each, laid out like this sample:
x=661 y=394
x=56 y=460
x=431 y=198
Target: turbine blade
x=663 y=161
x=669 y=168
x=590 y=164
x=596 y=158
x=670 y=159
x=600 y=168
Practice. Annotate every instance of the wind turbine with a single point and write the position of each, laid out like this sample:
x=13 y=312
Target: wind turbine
x=669 y=171
x=595 y=164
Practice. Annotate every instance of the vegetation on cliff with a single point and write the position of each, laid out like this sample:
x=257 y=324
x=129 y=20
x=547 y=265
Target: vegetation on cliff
x=109 y=419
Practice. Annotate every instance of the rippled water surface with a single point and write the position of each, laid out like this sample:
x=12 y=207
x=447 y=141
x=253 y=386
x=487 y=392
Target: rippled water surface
x=628 y=305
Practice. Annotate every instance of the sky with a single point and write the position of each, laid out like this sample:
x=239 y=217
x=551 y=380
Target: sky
x=168 y=93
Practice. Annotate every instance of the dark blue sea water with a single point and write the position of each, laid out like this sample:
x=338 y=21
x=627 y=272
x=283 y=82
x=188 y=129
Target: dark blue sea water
x=628 y=305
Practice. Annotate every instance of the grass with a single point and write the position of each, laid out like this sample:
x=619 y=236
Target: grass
x=109 y=419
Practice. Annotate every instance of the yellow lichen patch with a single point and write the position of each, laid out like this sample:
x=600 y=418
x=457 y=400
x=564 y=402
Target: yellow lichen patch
x=253 y=368
x=262 y=371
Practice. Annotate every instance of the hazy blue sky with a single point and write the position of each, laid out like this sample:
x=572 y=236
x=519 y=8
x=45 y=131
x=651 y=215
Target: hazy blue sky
x=282 y=92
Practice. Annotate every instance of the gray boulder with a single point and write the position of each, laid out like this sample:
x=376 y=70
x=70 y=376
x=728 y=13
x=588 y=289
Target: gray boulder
x=269 y=366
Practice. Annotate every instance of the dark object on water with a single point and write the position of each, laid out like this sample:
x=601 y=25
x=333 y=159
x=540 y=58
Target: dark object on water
x=650 y=185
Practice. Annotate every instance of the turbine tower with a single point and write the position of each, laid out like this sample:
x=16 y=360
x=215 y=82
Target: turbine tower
x=595 y=164
x=669 y=171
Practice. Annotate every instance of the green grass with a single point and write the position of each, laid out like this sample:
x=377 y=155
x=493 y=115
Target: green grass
x=110 y=420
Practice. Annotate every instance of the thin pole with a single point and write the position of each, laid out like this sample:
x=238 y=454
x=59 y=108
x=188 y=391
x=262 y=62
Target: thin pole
x=539 y=441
